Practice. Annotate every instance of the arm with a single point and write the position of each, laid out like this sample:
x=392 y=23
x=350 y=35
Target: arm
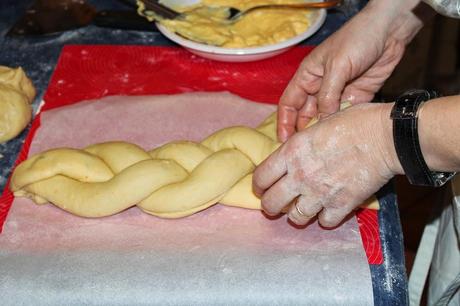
x=438 y=133
x=351 y=65
x=336 y=164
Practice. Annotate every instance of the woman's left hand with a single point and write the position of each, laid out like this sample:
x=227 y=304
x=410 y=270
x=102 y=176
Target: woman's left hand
x=331 y=167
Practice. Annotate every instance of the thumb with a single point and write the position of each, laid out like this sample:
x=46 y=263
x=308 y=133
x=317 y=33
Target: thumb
x=334 y=81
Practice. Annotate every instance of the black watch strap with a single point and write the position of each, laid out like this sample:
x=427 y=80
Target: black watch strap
x=407 y=145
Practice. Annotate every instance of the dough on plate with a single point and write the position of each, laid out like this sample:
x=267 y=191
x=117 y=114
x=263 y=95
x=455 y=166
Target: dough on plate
x=16 y=94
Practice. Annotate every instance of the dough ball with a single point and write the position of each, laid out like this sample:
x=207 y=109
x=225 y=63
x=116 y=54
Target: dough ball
x=15 y=112
x=16 y=78
x=16 y=94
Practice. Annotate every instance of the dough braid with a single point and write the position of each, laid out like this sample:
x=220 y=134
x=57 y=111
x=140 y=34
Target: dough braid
x=172 y=181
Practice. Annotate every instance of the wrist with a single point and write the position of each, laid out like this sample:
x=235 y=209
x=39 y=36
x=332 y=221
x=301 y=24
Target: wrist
x=405 y=27
x=440 y=151
x=396 y=18
x=425 y=129
x=407 y=135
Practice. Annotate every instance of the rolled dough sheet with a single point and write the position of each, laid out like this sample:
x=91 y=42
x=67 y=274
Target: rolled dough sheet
x=223 y=255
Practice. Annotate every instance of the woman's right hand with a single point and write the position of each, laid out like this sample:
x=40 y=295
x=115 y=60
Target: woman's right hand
x=350 y=65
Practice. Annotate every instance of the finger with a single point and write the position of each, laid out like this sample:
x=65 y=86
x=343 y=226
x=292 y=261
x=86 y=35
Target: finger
x=279 y=196
x=292 y=100
x=304 y=210
x=356 y=95
x=304 y=83
x=331 y=89
x=287 y=117
x=308 y=112
x=268 y=172
x=331 y=216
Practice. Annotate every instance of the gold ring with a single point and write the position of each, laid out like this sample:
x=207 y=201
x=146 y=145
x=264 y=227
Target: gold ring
x=301 y=213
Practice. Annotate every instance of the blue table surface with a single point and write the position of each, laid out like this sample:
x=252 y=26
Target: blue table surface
x=38 y=56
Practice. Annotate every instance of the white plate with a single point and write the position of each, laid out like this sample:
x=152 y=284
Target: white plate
x=240 y=54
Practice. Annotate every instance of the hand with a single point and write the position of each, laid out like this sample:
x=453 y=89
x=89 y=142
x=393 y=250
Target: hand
x=331 y=167
x=350 y=65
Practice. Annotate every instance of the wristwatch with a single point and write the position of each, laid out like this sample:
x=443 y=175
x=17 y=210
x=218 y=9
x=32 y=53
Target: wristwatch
x=406 y=141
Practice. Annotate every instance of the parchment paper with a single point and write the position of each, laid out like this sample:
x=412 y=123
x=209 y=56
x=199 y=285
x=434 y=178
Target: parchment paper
x=221 y=256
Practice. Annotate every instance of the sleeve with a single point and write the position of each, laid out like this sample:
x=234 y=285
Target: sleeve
x=450 y=8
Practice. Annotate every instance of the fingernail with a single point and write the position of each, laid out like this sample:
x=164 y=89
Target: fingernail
x=322 y=115
x=269 y=213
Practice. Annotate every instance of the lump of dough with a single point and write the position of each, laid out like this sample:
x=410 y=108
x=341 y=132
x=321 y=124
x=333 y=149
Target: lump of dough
x=16 y=94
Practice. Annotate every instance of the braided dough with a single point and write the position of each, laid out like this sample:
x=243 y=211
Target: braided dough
x=16 y=94
x=171 y=181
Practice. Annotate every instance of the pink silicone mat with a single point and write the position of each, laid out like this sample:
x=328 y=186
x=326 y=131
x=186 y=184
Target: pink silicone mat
x=89 y=72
